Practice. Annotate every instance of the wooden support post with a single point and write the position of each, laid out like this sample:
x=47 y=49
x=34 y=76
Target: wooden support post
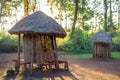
x=32 y=52
x=110 y=46
x=18 y=65
x=94 y=51
x=55 y=49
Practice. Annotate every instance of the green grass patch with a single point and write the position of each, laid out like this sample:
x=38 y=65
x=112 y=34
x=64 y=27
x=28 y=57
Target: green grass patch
x=115 y=55
x=77 y=56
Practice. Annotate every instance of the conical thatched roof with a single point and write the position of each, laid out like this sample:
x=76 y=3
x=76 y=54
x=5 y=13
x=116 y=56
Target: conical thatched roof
x=101 y=36
x=38 y=22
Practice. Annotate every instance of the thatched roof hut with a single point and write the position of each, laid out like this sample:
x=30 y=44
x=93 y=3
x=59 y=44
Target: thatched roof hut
x=102 y=45
x=39 y=38
x=38 y=22
x=102 y=37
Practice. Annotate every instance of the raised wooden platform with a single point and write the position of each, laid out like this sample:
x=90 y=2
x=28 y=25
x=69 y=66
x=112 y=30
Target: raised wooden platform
x=47 y=65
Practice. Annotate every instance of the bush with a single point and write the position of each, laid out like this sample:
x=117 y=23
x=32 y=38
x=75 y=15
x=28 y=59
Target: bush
x=61 y=42
x=116 y=45
x=115 y=36
x=8 y=43
x=79 y=43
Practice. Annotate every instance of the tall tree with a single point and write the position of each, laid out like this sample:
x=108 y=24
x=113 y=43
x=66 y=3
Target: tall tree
x=65 y=10
x=83 y=9
x=75 y=17
x=111 y=14
x=60 y=5
x=113 y=6
x=99 y=11
x=85 y=13
x=26 y=7
x=6 y=7
x=29 y=6
x=105 y=15
x=75 y=10
x=118 y=1
x=34 y=5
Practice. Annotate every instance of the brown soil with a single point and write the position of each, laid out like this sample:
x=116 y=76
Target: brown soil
x=82 y=69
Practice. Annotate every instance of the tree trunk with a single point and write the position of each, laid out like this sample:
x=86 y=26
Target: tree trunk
x=65 y=16
x=34 y=5
x=82 y=14
x=0 y=17
x=26 y=7
x=75 y=17
x=105 y=15
x=119 y=16
x=111 y=25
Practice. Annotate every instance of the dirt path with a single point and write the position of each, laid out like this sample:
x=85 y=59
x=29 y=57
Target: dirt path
x=83 y=69
x=87 y=69
x=6 y=62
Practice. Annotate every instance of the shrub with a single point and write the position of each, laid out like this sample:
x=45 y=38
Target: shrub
x=116 y=45
x=79 y=43
x=61 y=42
x=115 y=36
x=8 y=43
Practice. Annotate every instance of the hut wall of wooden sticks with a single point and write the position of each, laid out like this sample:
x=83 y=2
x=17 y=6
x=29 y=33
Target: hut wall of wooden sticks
x=39 y=48
x=102 y=50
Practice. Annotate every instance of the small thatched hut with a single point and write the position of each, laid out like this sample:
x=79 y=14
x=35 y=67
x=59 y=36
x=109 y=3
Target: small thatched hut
x=39 y=33
x=102 y=45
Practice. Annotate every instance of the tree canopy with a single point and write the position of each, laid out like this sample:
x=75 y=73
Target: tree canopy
x=80 y=18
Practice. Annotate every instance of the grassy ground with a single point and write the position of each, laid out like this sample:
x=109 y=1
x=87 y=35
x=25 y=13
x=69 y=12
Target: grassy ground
x=115 y=55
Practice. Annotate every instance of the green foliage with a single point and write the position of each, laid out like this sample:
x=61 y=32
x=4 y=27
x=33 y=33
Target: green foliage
x=79 y=43
x=77 y=56
x=8 y=43
x=115 y=36
x=66 y=10
x=116 y=55
x=60 y=5
x=30 y=6
x=60 y=42
x=116 y=45
x=7 y=8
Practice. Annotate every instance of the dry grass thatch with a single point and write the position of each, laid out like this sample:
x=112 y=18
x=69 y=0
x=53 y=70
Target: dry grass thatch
x=38 y=22
x=101 y=36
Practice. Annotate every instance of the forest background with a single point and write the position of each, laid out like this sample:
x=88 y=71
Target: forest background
x=81 y=19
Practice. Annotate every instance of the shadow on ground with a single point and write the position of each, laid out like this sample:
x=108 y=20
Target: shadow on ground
x=44 y=75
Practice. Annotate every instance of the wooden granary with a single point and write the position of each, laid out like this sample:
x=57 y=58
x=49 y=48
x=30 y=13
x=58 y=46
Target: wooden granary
x=102 y=45
x=39 y=33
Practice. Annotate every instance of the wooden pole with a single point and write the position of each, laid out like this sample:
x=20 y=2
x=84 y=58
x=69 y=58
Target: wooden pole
x=18 y=53
x=55 y=49
x=94 y=51
x=32 y=52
